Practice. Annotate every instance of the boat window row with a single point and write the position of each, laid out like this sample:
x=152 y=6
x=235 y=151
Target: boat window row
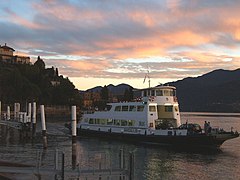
x=158 y=92
x=116 y=122
x=139 y=108
x=166 y=108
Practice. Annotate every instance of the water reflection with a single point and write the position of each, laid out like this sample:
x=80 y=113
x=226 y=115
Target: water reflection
x=151 y=162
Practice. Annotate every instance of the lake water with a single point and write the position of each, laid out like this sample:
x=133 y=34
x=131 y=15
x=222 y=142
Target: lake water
x=151 y=162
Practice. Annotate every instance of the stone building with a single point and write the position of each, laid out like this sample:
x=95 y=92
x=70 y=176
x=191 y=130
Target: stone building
x=7 y=56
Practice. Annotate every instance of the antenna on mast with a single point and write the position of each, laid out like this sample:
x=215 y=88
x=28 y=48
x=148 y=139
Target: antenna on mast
x=147 y=76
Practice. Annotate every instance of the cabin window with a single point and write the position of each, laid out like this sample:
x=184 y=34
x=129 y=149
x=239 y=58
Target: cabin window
x=123 y=122
x=124 y=108
x=132 y=108
x=171 y=93
x=117 y=122
x=166 y=92
x=108 y=107
x=149 y=92
x=97 y=121
x=140 y=108
x=130 y=122
x=91 y=121
x=102 y=121
x=109 y=121
x=159 y=93
x=141 y=123
x=145 y=93
x=152 y=108
x=168 y=108
x=152 y=92
x=118 y=108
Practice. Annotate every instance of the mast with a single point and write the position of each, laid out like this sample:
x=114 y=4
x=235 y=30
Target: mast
x=147 y=76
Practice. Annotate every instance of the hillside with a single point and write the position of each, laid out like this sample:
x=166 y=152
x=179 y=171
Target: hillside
x=216 y=91
x=26 y=82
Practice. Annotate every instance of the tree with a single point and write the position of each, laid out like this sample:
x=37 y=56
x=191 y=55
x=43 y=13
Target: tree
x=128 y=94
x=104 y=93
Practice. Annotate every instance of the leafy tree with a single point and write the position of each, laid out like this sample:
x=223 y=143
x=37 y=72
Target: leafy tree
x=104 y=93
x=128 y=94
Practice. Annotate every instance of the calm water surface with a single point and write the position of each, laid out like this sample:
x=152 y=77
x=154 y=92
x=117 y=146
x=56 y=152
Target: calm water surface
x=151 y=162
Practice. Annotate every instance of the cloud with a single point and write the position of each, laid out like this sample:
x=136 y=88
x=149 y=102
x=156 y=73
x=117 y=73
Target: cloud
x=194 y=36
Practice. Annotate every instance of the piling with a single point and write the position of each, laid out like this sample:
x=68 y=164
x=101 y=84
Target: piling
x=8 y=113
x=25 y=118
x=29 y=112
x=74 y=124
x=44 y=131
x=20 y=117
x=0 y=110
x=34 y=110
x=15 y=111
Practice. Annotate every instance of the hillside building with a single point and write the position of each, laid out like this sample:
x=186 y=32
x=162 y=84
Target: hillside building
x=7 y=56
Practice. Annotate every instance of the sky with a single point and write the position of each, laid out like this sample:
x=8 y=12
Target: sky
x=101 y=42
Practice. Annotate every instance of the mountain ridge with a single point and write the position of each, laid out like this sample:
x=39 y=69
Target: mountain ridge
x=215 y=91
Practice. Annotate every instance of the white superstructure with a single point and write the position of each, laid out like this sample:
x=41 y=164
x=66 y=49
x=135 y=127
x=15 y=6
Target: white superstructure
x=156 y=112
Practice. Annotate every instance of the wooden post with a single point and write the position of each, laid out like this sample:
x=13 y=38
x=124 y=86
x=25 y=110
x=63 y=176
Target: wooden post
x=34 y=110
x=44 y=130
x=29 y=112
x=15 y=111
x=74 y=124
x=0 y=110
x=8 y=113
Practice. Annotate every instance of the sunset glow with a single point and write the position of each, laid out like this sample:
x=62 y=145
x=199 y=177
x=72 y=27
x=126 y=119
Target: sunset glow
x=112 y=42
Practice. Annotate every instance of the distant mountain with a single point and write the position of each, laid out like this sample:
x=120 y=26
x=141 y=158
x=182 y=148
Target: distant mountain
x=115 y=90
x=216 y=91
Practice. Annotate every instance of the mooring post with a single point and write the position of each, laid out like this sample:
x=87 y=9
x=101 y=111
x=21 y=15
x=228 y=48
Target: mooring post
x=18 y=109
x=25 y=119
x=131 y=166
x=63 y=166
x=74 y=124
x=8 y=113
x=34 y=110
x=44 y=131
x=0 y=110
x=29 y=112
x=15 y=111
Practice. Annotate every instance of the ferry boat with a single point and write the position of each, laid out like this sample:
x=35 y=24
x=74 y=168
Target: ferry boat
x=154 y=118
